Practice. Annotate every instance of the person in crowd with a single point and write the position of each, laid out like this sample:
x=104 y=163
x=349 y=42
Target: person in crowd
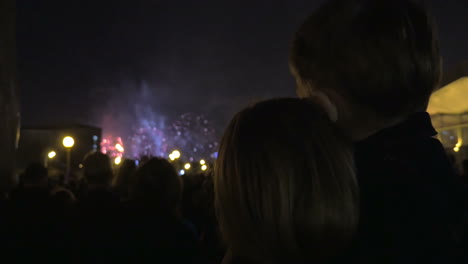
x=125 y=178
x=209 y=232
x=158 y=186
x=62 y=197
x=374 y=65
x=453 y=162
x=154 y=228
x=98 y=174
x=464 y=173
x=96 y=218
x=191 y=198
x=33 y=220
x=285 y=188
x=33 y=188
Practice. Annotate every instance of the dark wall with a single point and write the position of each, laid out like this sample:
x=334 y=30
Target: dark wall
x=36 y=143
x=9 y=110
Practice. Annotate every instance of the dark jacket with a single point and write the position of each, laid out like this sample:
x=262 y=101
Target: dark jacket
x=411 y=206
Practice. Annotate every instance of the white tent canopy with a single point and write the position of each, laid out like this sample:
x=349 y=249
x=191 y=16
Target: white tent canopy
x=451 y=99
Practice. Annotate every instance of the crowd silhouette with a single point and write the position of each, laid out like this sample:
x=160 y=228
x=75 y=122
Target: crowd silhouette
x=146 y=221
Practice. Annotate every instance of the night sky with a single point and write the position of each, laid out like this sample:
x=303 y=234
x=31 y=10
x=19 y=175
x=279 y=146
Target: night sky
x=80 y=60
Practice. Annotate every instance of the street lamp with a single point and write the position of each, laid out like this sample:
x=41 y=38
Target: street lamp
x=50 y=155
x=117 y=160
x=187 y=166
x=204 y=168
x=68 y=142
x=174 y=155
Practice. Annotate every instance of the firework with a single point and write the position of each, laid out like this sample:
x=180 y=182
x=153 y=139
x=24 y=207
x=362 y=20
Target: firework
x=112 y=146
x=194 y=136
x=149 y=141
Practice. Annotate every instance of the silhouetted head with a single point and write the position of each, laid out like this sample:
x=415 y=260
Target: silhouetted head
x=158 y=185
x=35 y=175
x=126 y=175
x=378 y=60
x=97 y=169
x=285 y=187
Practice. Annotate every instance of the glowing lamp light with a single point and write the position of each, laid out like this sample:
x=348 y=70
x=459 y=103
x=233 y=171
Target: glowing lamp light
x=457 y=146
x=176 y=154
x=181 y=172
x=187 y=166
x=204 y=168
x=52 y=154
x=68 y=142
x=119 y=148
x=117 y=160
x=202 y=162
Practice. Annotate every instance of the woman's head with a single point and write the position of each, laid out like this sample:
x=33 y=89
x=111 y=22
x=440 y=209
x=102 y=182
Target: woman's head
x=157 y=184
x=284 y=183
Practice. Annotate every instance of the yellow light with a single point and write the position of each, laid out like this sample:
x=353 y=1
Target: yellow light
x=175 y=154
x=80 y=166
x=171 y=157
x=202 y=162
x=204 y=168
x=68 y=142
x=119 y=148
x=51 y=154
x=187 y=166
x=458 y=145
x=118 y=160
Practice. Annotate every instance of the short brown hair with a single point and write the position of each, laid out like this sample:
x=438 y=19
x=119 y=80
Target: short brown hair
x=285 y=187
x=381 y=55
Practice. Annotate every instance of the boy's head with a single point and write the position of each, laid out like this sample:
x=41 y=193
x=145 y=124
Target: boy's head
x=284 y=183
x=380 y=56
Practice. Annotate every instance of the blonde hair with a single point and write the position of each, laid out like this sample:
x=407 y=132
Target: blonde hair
x=285 y=188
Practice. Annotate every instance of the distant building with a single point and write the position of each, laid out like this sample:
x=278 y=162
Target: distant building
x=449 y=111
x=37 y=142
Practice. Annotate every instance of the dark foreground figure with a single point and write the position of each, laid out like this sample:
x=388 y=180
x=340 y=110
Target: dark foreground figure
x=412 y=208
x=100 y=228
x=374 y=65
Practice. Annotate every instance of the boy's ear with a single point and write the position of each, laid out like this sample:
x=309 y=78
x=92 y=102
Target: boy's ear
x=325 y=102
x=306 y=90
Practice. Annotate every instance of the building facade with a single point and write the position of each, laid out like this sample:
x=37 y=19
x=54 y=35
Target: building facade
x=36 y=143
